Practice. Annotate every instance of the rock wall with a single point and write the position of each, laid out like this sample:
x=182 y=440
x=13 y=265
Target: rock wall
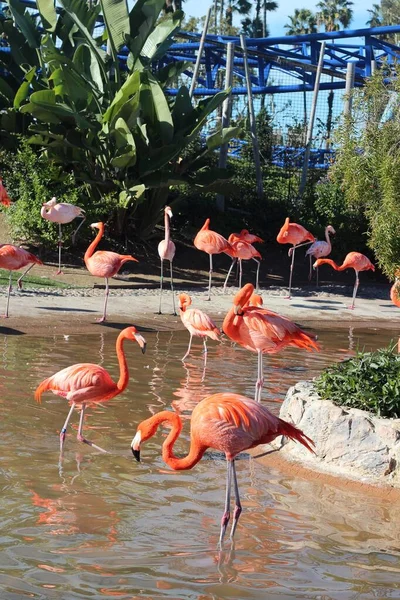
x=348 y=442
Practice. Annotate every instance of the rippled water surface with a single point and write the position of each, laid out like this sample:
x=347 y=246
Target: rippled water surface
x=104 y=526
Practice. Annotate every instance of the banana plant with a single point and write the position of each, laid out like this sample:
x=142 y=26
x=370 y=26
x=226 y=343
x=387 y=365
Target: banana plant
x=109 y=119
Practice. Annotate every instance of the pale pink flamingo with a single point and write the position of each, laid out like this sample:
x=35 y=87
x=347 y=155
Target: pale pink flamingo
x=62 y=213
x=197 y=323
x=354 y=260
x=166 y=251
x=242 y=250
x=104 y=263
x=4 y=197
x=320 y=249
x=292 y=233
x=263 y=331
x=211 y=242
x=85 y=384
x=227 y=422
x=13 y=258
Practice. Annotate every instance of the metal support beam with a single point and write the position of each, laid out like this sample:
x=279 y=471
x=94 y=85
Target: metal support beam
x=351 y=69
x=226 y=117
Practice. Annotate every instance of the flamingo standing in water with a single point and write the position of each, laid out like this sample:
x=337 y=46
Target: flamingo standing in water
x=4 y=197
x=197 y=323
x=242 y=250
x=104 y=263
x=320 y=249
x=62 y=213
x=213 y=243
x=292 y=233
x=13 y=258
x=166 y=251
x=227 y=422
x=262 y=331
x=354 y=260
x=86 y=383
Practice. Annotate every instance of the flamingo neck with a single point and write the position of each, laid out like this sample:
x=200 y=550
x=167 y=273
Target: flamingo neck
x=196 y=450
x=89 y=252
x=123 y=366
x=328 y=239
x=329 y=261
x=206 y=225
x=166 y=223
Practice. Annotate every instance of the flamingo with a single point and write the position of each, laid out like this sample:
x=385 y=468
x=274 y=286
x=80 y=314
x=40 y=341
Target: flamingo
x=292 y=233
x=354 y=260
x=166 y=251
x=242 y=250
x=61 y=213
x=104 y=263
x=4 y=197
x=13 y=258
x=197 y=323
x=250 y=238
x=213 y=243
x=395 y=289
x=263 y=331
x=320 y=249
x=86 y=383
x=227 y=422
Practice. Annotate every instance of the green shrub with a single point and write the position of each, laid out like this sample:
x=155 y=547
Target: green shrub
x=369 y=381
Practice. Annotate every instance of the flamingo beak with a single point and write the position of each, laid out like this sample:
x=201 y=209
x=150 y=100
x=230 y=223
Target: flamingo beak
x=237 y=309
x=141 y=341
x=169 y=213
x=135 y=446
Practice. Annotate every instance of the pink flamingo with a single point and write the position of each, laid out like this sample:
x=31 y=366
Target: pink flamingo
x=13 y=258
x=292 y=233
x=87 y=383
x=213 y=243
x=166 y=251
x=250 y=238
x=354 y=260
x=320 y=249
x=4 y=197
x=242 y=250
x=104 y=263
x=228 y=422
x=197 y=323
x=61 y=213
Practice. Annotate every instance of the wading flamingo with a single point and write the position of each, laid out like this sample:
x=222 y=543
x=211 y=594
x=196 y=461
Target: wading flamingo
x=230 y=423
x=62 y=213
x=262 y=331
x=166 y=251
x=242 y=250
x=13 y=258
x=292 y=233
x=197 y=323
x=86 y=384
x=213 y=243
x=104 y=263
x=4 y=197
x=354 y=260
x=320 y=249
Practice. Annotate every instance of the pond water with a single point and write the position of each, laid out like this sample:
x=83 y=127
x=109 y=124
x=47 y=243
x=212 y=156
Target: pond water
x=104 y=526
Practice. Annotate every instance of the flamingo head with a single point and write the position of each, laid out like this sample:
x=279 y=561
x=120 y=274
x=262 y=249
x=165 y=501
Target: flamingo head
x=145 y=430
x=318 y=263
x=131 y=333
x=98 y=225
x=168 y=211
x=284 y=232
x=50 y=203
x=184 y=301
x=242 y=298
x=330 y=229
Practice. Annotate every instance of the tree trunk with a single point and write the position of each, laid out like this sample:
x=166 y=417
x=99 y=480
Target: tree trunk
x=221 y=15
x=264 y=21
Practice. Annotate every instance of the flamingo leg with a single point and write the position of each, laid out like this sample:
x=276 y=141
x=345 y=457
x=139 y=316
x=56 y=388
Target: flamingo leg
x=238 y=506
x=240 y=273
x=227 y=515
x=5 y=316
x=351 y=307
x=172 y=288
x=161 y=285
x=83 y=219
x=310 y=272
x=64 y=429
x=107 y=291
x=317 y=275
x=258 y=271
x=209 y=278
x=205 y=351
x=291 y=273
x=23 y=275
x=59 y=272
x=80 y=437
x=188 y=350
x=229 y=272
x=260 y=378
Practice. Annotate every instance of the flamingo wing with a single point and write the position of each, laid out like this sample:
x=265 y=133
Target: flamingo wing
x=200 y=324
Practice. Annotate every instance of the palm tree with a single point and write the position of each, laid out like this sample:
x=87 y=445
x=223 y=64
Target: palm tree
x=334 y=13
x=267 y=6
x=376 y=19
x=257 y=26
x=241 y=7
x=302 y=22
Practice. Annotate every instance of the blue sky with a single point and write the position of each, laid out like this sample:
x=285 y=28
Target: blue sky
x=278 y=19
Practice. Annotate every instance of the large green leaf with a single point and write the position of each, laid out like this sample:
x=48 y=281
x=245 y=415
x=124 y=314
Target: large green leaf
x=85 y=62
x=25 y=87
x=48 y=14
x=71 y=86
x=158 y=42
x=6 y=93
x=116 y=18
x=171 y=72
x=142 y=17
x=128 y=89
x=222 y=137
x=44 y=106
x=162 y=111
x=25 y=22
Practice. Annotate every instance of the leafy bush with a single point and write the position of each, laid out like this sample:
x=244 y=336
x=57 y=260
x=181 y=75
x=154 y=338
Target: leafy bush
x=369 y=381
